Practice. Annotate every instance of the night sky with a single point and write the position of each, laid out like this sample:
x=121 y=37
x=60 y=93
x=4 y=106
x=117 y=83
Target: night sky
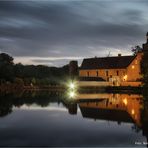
x=55 y=32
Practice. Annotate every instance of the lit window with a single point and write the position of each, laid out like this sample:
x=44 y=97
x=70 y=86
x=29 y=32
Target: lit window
x=136 y=62
x=133 y=66
x=125 y=101
x=125 y=78
x=133 y=111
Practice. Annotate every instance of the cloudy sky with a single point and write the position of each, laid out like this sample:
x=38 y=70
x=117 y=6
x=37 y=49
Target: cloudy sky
x=54 y=32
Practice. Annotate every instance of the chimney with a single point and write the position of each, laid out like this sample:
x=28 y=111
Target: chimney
x=119 y=55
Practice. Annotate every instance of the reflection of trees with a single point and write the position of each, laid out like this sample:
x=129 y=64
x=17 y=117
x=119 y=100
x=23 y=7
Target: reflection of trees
x=41 y=98
x=5 y=105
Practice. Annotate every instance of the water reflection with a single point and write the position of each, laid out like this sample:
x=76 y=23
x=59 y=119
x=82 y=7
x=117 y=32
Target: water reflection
x=120 y=108
x=116 y=107
x=129 y=108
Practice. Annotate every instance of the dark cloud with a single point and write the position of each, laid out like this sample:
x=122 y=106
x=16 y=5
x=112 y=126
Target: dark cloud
x=71 y=28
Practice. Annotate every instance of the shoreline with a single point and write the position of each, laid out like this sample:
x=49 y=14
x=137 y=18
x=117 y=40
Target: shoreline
x=109 y=89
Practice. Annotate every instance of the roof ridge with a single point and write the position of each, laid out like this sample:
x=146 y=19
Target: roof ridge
x=111 y=57
x=107 y=62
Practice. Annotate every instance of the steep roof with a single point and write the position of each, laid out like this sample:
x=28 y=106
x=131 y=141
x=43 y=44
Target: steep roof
x=107 y=62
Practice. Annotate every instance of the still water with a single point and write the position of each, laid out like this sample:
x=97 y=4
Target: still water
x=58 y=119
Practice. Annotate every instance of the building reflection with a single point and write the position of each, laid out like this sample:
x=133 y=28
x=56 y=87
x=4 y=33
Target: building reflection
x=114 y=107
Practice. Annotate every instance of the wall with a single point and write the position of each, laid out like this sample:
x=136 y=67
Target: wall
x=134 y=70
x=93 y=83
x=102 y=73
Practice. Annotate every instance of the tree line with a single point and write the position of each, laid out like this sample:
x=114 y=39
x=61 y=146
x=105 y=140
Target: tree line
x=29 y=74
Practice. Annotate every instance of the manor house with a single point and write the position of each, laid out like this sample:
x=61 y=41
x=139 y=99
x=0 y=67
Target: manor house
x=118 y=71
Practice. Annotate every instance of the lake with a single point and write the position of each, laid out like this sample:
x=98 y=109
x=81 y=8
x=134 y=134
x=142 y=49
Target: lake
x=70 y=119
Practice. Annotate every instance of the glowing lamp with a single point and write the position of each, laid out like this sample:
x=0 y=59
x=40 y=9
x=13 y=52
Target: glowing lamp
x=72 y=94
x=125 y=77
x=133 y=66
x=133 y=111
x=71 y=85
x=125 y=101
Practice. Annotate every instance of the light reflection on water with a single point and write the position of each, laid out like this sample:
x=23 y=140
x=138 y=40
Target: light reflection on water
x=54 y=119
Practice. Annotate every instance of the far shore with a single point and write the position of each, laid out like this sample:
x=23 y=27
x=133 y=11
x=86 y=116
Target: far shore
x=108 y=89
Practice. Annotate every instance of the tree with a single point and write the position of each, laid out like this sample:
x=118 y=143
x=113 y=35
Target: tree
x=6 y=67
x=19 y=82
x=136 y=49
x=6 y=58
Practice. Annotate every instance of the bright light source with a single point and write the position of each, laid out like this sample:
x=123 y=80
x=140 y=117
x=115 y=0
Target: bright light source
x=72 y=94
x=125 y=77
x=133 y=66
x=72 y=88
x=133 y=111
x=125 y=101
x=72 y=85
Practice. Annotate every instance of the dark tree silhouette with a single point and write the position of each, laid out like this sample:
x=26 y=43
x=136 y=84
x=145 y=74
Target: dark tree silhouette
x=6 y=67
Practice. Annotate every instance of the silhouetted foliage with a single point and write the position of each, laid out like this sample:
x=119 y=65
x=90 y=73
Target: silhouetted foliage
x=40 y=98
x=6 y=67
x=30 y=74
x=136 y=49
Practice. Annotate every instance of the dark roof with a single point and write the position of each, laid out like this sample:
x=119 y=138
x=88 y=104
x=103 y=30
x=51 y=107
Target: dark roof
x=107 y=62
x=106 y=114
x=90 y=79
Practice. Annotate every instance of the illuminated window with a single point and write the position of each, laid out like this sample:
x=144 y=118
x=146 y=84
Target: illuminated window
x=133 y=66
x=125 y=101
x=125 y=78
x=136 y=62
x=133 y=111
